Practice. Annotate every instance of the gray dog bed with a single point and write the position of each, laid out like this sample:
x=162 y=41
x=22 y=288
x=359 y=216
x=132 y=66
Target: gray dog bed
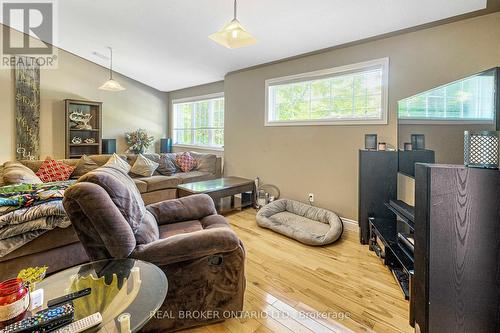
x=307 y=224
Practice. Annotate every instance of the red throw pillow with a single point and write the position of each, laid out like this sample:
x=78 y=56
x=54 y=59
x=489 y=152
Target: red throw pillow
x=53 y=171
x=186 y=162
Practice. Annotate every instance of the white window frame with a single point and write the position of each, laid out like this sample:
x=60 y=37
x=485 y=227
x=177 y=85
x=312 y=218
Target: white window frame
x=442 y=121
x=348 y=69
x=191 y=100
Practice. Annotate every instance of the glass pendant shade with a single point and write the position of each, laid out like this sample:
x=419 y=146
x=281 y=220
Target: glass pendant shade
x=111 y=85
x=233 y=36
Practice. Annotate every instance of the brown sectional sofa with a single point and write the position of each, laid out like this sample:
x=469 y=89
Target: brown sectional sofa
x=60 y=248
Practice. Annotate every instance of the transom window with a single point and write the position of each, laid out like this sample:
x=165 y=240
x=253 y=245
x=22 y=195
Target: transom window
x=468 y=100
x=199 y=121
x=353 y=94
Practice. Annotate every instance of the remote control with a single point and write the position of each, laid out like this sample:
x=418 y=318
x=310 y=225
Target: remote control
x=68 y=297
x=82 y=324
x=43 y=321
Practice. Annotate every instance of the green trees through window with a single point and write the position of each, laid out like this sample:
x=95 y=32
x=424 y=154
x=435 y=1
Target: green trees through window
x=468 y=99
x=199 y=123
x=350 y=95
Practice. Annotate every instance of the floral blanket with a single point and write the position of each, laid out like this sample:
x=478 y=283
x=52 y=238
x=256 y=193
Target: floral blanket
x=29 y=210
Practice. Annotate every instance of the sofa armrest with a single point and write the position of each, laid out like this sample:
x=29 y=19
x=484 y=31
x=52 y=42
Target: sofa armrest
x=189 y=246
x=193 y=207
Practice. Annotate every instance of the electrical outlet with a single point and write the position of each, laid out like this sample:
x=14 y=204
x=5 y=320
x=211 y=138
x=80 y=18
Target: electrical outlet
x=311 y=197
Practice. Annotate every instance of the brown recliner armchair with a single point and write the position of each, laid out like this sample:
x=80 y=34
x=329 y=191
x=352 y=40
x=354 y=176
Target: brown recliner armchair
x=201 y=256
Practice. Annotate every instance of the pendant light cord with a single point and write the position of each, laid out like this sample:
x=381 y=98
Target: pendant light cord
x=111 y=63
x=235 y=7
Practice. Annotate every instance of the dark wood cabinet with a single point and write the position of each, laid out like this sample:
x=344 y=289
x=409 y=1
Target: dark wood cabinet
x=83 y=138
x=456 y=286
x=377 y=186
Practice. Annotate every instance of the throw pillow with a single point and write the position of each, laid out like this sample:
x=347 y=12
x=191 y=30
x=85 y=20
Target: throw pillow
x=53 y=171
x=168 y=166
x=186 y=162
x=16 y=173
x=119 y=163
x=85 y=164
x=205 y=162
x=144 y=166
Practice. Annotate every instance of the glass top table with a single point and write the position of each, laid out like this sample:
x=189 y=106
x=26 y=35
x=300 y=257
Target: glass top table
x=220 y=188
x=118 y=286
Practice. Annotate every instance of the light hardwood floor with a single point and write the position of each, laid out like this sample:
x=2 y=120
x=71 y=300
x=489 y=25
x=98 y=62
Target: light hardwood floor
x=286 y=279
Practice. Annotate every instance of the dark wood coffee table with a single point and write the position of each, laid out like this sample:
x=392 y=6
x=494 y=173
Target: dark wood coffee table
x=221 y=188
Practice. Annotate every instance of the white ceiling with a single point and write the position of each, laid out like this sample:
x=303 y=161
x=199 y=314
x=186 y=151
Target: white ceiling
x=164 y=44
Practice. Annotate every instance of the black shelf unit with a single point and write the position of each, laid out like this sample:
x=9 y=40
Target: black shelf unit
x=397 y=260
x=377 y=185
x=403 y=211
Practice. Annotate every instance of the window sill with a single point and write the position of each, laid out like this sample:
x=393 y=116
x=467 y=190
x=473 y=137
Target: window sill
x=326 y=122
x=405 y=121
x=199 y=147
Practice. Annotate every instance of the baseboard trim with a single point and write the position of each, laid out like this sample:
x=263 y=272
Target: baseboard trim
x=350 y=225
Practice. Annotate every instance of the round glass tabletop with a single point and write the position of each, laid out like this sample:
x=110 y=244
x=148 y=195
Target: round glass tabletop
x=117 y=286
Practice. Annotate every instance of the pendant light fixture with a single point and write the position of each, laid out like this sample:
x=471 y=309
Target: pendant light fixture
x=111 y=85
x=233 y=35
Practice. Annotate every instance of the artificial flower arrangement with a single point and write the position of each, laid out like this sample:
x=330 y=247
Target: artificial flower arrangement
x=138 y=141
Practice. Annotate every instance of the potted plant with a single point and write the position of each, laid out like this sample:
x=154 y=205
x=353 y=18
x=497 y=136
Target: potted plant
x=138 y=141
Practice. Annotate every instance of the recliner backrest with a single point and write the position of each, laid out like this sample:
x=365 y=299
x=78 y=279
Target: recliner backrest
x=108 y=214
x=122 y=191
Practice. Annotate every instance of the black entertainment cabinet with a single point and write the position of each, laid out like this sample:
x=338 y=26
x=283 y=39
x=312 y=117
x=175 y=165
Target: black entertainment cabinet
x=452 y=278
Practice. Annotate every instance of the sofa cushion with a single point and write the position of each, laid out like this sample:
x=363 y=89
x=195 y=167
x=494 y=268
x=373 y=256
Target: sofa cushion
x=156 y=183
x=122 y=191
x=119 y=163
x=35 y=164
x=131 y=158
x=85 y=164
x=143 y=166
x=168 y=166
x=103 y=159
x=141 y=185
x=193 y=176
x=50 y=240
x=54 y=171
x=16 y=173
x=1 y=175
x=185 y=161
x=205 y=162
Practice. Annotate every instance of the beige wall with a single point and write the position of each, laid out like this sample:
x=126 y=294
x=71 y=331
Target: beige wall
x=206 y=89
x=447 y=141
x=324 y=159
x=139 y=106
x=406 y=189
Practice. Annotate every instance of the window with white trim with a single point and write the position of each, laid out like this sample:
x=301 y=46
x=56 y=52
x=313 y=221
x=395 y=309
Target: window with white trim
x=199 y=121
x=468 y=100
x=353 y=94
